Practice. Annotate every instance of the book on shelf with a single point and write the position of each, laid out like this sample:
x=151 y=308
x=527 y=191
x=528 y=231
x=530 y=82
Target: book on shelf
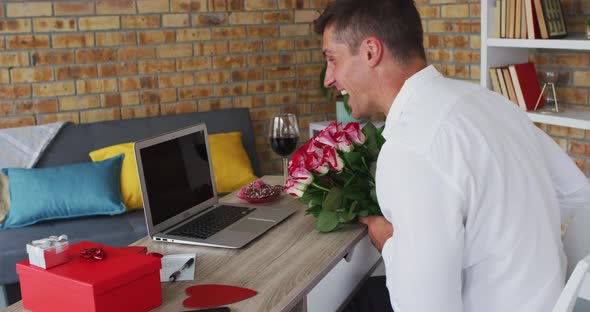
x=494 y=80
x=510 y=86
x=529 y=19
x=526 y=85
x=502 y=82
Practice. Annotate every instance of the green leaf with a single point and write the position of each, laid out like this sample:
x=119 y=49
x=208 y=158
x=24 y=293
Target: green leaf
x=374 y=195
x=363 y=213
x=373 y=169
x=333 y=199
x=354 y=159
x=347 y=107
x=327 y=221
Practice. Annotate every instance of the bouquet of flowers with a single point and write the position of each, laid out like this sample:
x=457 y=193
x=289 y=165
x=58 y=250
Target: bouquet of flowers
x=334 y=174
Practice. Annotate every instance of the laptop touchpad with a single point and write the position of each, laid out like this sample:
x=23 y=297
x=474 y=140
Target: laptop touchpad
x=252 y=226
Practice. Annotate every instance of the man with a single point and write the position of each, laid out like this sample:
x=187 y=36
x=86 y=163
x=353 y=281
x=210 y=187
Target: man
x=469 y=188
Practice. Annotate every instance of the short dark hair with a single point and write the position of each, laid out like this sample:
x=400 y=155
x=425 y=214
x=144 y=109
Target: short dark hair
x=396 y=22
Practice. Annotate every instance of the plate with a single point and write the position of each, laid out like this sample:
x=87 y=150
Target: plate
x=260 y=200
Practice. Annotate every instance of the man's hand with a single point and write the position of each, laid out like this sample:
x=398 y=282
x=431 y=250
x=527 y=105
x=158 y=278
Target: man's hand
x=380 y=230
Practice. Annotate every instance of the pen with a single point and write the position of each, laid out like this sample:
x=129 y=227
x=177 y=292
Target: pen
x=175 y=275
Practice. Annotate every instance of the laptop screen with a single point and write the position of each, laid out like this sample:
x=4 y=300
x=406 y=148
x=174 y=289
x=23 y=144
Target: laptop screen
x=177 y=175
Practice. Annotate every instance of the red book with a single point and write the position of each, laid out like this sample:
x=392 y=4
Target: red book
x=526 y=85
x=531 y=20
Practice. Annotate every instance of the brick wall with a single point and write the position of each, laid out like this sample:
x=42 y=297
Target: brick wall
x=87 y=61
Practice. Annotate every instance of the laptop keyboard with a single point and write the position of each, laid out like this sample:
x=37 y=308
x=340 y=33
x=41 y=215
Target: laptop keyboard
x=212 y=222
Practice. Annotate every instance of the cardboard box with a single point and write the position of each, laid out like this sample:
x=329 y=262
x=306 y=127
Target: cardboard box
x=123 y=281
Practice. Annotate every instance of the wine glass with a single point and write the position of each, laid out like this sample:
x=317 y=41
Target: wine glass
x=283 y=135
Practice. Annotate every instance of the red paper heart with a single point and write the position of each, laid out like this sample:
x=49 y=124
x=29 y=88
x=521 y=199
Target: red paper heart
x=207 y=296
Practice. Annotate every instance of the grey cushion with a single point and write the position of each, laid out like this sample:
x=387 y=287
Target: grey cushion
x=73 y=144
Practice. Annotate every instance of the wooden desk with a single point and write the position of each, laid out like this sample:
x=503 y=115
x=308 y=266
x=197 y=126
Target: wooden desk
x=284 y=265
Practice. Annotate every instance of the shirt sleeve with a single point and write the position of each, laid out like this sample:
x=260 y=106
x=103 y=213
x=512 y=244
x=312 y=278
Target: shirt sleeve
x=571 y=185
x=423 y=258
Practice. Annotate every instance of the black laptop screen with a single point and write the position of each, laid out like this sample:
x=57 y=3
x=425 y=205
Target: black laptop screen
x=177 y=175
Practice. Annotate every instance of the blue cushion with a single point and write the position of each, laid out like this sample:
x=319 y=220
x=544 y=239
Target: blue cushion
x=64 y=192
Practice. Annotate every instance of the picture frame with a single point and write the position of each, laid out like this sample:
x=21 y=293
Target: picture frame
x=554 y=19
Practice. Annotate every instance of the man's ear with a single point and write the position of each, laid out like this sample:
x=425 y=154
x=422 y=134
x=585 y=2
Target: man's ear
x=373 y=50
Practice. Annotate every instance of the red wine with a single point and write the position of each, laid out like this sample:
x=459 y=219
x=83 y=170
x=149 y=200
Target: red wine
x=283 y=146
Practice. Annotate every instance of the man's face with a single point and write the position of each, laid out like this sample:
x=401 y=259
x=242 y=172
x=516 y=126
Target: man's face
x=349 y=74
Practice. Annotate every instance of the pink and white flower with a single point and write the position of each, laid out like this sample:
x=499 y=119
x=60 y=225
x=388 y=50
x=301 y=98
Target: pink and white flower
x=354 y=133
x=294 y=189
x=302 y=176
x=332 y=158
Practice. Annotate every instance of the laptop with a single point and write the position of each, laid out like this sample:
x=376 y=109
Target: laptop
x=180 y=198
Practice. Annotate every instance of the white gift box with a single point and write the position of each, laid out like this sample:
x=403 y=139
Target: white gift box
x=48 y=252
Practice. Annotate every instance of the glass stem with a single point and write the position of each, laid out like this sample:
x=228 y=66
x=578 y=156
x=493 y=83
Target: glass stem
x=285 y=170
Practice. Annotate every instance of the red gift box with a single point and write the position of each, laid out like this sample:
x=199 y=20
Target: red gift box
x=123 y=281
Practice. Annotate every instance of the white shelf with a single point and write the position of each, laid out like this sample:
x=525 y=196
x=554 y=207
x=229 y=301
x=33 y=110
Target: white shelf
x=559 y=44
x=573 y=118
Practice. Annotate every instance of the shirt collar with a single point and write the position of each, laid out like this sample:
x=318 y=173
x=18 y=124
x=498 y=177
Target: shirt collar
x=410 y=87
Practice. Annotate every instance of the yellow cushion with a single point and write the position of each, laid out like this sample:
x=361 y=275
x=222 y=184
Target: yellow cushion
x=130 y=190
x=4 y=197
x=231 y=165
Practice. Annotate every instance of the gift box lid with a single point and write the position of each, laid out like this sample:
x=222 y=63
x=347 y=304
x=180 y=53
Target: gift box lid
x=119 y=267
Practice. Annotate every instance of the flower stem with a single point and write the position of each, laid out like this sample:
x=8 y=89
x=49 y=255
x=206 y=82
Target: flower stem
x=320 y=187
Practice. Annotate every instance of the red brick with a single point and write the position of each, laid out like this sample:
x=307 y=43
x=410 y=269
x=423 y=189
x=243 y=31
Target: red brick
x=176 y=80
x=68 y=103
x=111 y=100
x=36 y=107
x=228 y=90
x=152 y=6
x=99 y=23
x=278 y=17
x=76 y=72
x=73 y=40
x=20 y=25
x=249 y=101
x=159 y=96
x=245 y=18
x=210 y=19
x=135 y=83
x=306 y=16
x=53 y=89
x=16 y=122
x=135 y=53
x=141 y=21
x=100 y=115
x=223 y=33
x=73 y=117
x=211 y=48
x=154 y=67
x=295 y=30
x=279 y=45
x=95 y=56
x=262 y=31
x=177 y=50
x=247 y=74
x=193 y=34
x=194 y=92
x=218 y=5
x=156 y=36
x=111 y=7
x=214 y=104
x=579 y=148
x=197 y=63
x=117 y=69
x=115 y=38
x=8 y=92
x=13 y=59
x=268 y=59
x=175 y=20
x=140 y=112
x=314 y=43
x=4 y=76
x=96 y=86
x=279 y=72
x=51 y=24
x=26 y=42
x=264 y=113
x=263 y=86
x=229 y=61
x=246 y=46
x=20 y=75
x=178 y=108
x=188 y=5
x=73 y=8
x=213 y=77
x=252 y=5
x=28 y=9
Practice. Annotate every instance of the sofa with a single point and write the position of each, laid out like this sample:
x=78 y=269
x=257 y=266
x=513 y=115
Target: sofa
x=72 y=145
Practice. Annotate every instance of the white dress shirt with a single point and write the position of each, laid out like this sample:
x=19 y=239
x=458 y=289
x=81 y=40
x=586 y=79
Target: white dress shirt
x=472 y=189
